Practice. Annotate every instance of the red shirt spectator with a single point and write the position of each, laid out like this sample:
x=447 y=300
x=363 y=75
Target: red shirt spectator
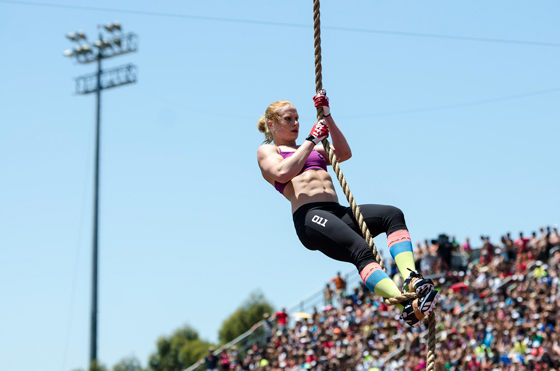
x=521 y=243
x=281 y=317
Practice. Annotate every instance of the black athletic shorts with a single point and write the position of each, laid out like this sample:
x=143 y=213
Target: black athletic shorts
x=332 y=229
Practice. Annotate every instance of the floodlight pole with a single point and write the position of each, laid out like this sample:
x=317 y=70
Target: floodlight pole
x=93 y=330
x=93 y=83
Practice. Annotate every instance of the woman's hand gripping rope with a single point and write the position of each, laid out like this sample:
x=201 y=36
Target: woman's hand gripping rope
x=321 y=100
x=319 y=132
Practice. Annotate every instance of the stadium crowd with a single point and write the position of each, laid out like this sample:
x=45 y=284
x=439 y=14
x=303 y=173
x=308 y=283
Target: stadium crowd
x=497 y=311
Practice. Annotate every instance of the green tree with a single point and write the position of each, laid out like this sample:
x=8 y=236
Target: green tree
x=250 y=312
x=128 y=364
x=97 y=366
x=178 y=351
x=94 y=366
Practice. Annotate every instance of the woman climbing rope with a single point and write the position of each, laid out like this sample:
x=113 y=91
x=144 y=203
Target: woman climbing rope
x=299 y=172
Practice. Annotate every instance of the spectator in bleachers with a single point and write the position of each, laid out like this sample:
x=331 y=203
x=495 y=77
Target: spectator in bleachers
x=534 y=242
x=418 y=254
x=555 y=236
x=467 y=246
x=268 y=327
x=328 y=294
x=521 y=243
x=339 y=288
x=545 y=244
x=224 y=360
x=510 y=251
x=430 y=260
x=487 y=250
x=454 y=244
x=282 y=320
x=211 y=360
x=444 y=249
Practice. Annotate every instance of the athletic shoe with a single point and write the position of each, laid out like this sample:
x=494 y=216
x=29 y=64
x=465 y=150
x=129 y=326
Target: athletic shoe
x=416 y=310
x=418 y=284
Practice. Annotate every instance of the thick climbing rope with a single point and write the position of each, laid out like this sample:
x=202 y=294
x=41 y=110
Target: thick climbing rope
x=431 y=356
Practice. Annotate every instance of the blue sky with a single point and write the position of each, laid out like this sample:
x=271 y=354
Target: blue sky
x=461 y=134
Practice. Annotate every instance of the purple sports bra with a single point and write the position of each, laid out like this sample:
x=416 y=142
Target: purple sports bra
x=314 y=161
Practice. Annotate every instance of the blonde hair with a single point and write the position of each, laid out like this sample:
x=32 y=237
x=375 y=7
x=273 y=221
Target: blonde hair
x=272 y=113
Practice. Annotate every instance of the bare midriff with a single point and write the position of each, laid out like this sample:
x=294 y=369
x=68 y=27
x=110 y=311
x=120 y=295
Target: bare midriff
x=310 y=186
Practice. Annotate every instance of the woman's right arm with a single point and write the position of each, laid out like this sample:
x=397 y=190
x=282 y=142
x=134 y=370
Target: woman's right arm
x=276 y=168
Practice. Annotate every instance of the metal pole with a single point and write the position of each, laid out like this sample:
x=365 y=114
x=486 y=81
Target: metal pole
x=84 y=53
x=93 y=340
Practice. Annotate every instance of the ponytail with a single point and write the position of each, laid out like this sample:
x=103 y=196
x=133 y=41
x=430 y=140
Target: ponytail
x=263 y=128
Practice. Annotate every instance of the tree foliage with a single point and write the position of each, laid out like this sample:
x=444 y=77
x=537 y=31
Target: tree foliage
x=128 y=364
x=250 y=312
x=94 y=366
x=97 y=366
x=184 y=347
x=178 y=351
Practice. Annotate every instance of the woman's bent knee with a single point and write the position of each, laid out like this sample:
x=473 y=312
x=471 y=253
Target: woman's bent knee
x=395 y=220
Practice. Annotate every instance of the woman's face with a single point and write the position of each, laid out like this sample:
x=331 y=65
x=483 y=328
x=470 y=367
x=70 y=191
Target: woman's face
x=287 y=128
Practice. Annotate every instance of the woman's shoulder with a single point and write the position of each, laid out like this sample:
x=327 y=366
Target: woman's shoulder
x=267 y=148
x=268 y=145
x=273 y=148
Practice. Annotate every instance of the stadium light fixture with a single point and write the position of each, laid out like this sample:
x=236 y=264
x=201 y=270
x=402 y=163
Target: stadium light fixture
x=72 y=36
x=82 y=35
x=86 y=48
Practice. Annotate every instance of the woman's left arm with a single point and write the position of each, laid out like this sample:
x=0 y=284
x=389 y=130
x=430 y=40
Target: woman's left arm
x=340 y=146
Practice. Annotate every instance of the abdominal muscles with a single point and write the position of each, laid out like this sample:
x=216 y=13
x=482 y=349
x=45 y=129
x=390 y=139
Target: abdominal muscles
x=310 y=186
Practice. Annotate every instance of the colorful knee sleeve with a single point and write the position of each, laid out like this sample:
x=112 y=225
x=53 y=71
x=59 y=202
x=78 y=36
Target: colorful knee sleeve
x=378 y=281
x=400 y=247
